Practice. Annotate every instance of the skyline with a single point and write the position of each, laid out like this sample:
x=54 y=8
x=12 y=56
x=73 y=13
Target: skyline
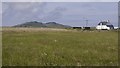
x=67 y=13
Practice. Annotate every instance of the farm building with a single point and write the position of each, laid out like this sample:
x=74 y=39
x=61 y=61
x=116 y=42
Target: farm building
x=77 y=27
x=84 y=28
x=104 y=25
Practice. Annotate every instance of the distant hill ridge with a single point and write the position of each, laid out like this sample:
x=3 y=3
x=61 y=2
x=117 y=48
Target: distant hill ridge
x=40 y=24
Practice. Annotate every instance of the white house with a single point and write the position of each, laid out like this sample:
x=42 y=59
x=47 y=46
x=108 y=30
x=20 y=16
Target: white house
x=104 y=25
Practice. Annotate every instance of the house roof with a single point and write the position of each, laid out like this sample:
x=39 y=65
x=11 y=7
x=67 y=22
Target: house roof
x=105 y=23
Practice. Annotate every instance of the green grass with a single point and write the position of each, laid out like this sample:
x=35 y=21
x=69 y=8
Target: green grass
x=71 y=48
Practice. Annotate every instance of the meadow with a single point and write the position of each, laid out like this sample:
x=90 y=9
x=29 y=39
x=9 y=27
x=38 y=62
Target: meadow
x=58 y=47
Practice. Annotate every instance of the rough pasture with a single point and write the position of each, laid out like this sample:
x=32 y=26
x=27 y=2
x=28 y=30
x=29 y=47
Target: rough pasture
x=44 y=46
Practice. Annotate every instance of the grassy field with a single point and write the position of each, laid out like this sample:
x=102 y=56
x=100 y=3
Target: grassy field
x=41 y=47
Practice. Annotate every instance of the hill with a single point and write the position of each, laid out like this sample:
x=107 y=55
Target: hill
x=40 y=24
x=56 y=25
x=31 y=24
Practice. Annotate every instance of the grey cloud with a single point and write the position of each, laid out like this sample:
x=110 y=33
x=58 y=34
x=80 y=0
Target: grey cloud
x=55 y=14
x=62 y=12
x=15 y=14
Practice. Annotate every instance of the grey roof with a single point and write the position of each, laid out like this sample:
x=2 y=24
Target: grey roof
x=105 y=23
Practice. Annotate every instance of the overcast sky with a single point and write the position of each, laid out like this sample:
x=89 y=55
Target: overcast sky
x=59 y=0
x=67 y=13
